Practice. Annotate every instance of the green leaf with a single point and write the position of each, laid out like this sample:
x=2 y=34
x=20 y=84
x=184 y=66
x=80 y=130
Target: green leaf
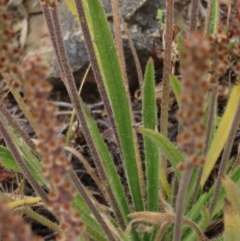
x=191 y=188
x=214 y=17
x=93 y=228
x=169 y=150
x=112 y=175
x=114 y=84
x=180 y=42
x=149 y=114
x=221 y=134
x=7 y=160
x=32 y=161
x=177 y=87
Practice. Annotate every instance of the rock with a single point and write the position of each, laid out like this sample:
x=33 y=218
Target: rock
x=127 y=8
x=140 y=16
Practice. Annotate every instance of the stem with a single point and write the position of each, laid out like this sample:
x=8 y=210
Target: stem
x=208 y=17
x=100 y=83
x=47 y=17
x=30 y=213
x=191 y=224
x=225 y=158
x=175 y=191
x=134 y=53
x=118 y=39
x=95 y=68
x=211 y=114
x=18 y=158
x=20 y=101
x=166 y=74
x=88 y=168
x=73 y=94
x=236 y=163
x=194 y=16
x=72 y=90
x=74 y=112
x=183 y=186
x=17 y=128
x=119 y=47
x=162 y=230
x=39 y=218
x=24 y=202
x=78 y=185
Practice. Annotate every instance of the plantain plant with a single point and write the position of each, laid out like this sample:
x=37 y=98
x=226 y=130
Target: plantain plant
x=153 y=204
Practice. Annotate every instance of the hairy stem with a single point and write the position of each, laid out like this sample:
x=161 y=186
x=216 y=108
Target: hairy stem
x=19 y=100
x=119 y=46
x=95 y=68
x=16 y=127
x=73 y=94
x=118 y=39
x=74 y=112
x=194 y=16
x=175 y=186
x=166 y=74
x=225 y=158
x=208 y=17
x=134 y=53
x=236 y=163
x=72 y=90
x=47 y=17
x=183 y=186
x=21 y=163
x=78 y=185
x=103 y=93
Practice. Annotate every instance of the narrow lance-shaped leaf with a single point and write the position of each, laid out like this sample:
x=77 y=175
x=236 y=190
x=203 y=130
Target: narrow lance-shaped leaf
x=169 y=150
x=31 y=160
x=221 y=134
x=114 y=84
x=7 y=160
x=180 y=42
x=93 y=229
x=214 y=17
x=113 y=178
x=151 y=151
x=176 y=86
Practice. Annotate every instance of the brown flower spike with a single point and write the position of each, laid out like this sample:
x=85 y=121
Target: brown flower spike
x=195 y=87
x=197 y=50
x=12 y=227
x=9 y=52
x=50 y=146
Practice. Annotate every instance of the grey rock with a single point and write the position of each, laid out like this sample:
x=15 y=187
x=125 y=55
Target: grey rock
x=127 y=7
x=141 y=18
